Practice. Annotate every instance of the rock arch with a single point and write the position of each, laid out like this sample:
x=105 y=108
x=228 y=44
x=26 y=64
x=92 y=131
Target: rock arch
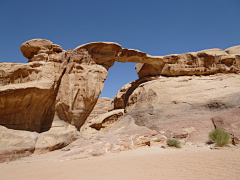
x=62 y=87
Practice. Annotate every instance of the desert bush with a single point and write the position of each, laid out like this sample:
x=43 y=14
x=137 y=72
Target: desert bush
x=173 y=142
x=219 y=136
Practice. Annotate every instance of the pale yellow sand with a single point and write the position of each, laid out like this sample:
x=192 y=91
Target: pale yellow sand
x=190 y=162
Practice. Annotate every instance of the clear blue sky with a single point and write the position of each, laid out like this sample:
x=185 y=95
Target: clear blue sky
x=157 y=27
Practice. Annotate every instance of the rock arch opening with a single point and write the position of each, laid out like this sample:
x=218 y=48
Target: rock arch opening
x=118 y=75
x=86 y=69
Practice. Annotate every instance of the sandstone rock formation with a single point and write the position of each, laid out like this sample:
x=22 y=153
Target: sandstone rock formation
x=64 y=86
x=235 y=50
x=56 y=138
x=183 y=107
x=15 y=144
x=204 y=62
x=28 y=91
x=80 y=88
x=123 y=135
x=100 y=124
x=101 y=107
x=57 y=90
x=230 y=122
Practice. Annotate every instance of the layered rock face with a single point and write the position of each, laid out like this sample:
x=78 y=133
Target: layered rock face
x=204 y=62
x=27 y=94
x=55 y=85
x=80 y=87
x=28 y=91
x=180 y=106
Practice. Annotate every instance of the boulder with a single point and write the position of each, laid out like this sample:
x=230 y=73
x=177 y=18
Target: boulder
x=100 y=124
x=15 y=144
x=56 y=138
x=32 y=47
x=120 y=100
x=123 y=135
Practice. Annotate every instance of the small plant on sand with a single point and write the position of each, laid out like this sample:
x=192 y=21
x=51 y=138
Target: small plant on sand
x=219 y=136
x=173 y=142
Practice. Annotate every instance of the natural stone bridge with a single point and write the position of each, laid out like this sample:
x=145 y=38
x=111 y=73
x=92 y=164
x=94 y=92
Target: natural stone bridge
x=58 y=87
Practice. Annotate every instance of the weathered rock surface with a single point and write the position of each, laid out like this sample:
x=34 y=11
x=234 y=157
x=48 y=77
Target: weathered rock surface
x=15 y=144
x=32 y=47
x=121 y=98
x=100 y=124
x=80 y=88
x=178 y=107
x=57 y=85
x=28 y=93
x=123 y=135
x=103 y=53
x=56 y=138
x=58 y=89
x=233 y=50
x=204 y=62
x=230 y=122
x=101 y=107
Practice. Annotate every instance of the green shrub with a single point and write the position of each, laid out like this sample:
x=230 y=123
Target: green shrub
x=219 y=136
x=173 y=142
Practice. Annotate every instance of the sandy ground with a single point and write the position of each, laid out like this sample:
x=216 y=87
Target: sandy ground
x=189 y=162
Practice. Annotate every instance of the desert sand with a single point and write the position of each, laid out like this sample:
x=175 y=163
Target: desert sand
x=189 y=162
